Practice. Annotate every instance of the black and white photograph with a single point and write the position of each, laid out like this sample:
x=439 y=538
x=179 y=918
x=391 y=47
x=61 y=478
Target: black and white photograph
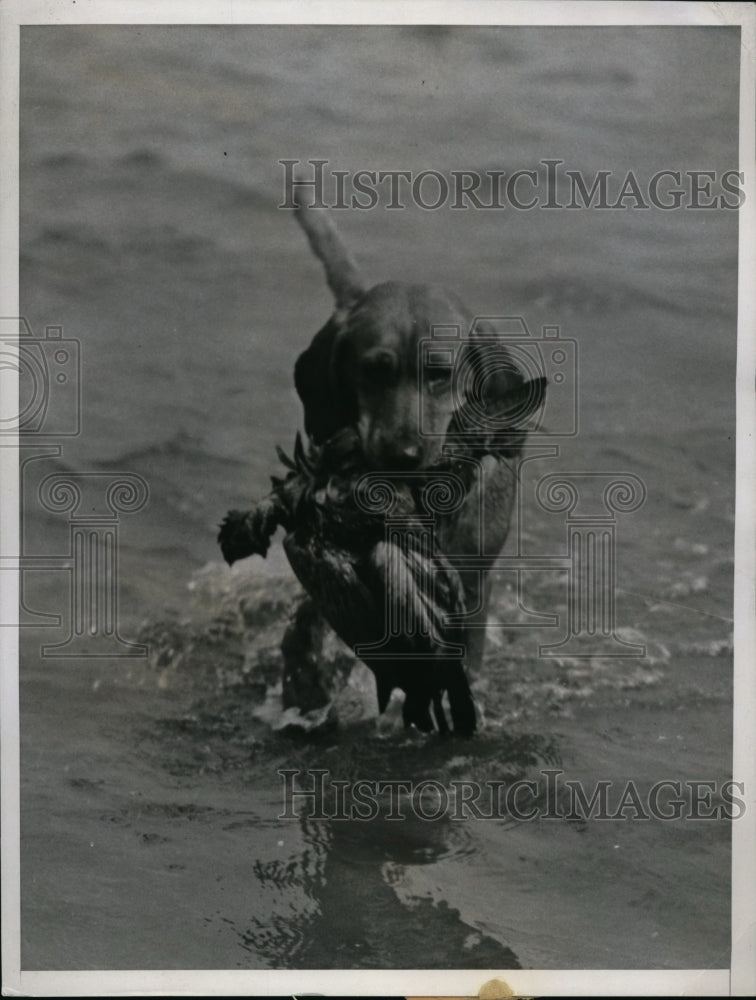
x=376 y=410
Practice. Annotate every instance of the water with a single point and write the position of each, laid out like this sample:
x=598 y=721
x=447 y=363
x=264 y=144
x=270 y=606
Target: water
x=149 y=231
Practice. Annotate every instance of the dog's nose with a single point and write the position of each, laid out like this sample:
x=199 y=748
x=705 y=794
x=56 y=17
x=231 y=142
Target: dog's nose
x=408 y=457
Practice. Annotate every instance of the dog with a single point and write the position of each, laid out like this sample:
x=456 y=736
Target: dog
x=363 y=371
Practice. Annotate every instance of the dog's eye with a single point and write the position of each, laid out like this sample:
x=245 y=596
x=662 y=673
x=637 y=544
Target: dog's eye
x=379 y=368
x=438 y=380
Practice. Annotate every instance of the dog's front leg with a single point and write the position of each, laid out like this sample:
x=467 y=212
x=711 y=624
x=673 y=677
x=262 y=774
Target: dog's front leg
x=302 y=648
x=477 y=588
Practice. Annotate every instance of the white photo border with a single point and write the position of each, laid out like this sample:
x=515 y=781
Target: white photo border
x=740 y=978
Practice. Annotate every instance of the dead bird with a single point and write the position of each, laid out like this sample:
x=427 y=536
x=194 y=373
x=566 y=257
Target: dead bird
x=341 y=555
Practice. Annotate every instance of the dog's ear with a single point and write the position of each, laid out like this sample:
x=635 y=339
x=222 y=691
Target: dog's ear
x=520 y=402
x=509 y=414
x=496 y=381
x=497 y=398
x=316 y=377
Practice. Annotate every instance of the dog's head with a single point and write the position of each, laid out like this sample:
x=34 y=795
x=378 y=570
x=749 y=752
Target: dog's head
x=365 y=369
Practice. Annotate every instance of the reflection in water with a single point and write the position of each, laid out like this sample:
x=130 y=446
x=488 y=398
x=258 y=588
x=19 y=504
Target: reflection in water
x=343 y=893
x=292 y=887
x=336 y=907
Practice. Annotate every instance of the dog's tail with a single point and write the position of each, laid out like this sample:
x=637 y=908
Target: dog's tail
x=342 y=274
